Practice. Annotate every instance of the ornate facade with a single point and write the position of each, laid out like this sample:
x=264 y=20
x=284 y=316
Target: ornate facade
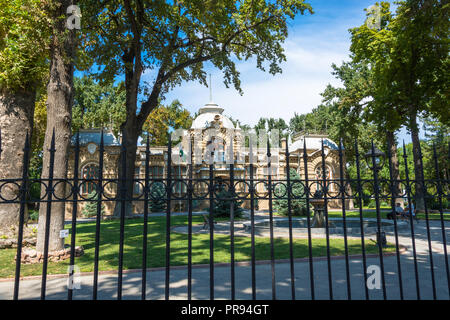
x=215 y=139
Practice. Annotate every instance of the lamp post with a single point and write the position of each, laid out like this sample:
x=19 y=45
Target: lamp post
x=375 y=159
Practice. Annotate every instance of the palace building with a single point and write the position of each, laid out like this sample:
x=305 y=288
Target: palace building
x=211 y=134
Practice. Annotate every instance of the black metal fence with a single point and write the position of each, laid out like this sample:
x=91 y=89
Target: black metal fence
x=200 y=189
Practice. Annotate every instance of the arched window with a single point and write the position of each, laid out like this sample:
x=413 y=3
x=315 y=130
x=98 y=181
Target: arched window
x=328 y=175
x=319 y=172
x=90 y=173
x=215 y=151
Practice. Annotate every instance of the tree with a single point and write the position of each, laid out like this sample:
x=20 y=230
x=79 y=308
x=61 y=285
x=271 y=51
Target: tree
x=98 y=104
x=158 y=201
x=437 y=134
x=171 y=41
x=318 y=121
x=298 y=206
x=157 y=124
x=352 y=108
x=409 y=56
x=90 y=208
x=59 y=118
x=23 y=70
x=37 y=143
x=270 y=124
x=222 y=206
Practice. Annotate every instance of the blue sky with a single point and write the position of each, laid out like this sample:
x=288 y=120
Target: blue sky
x=314 y=43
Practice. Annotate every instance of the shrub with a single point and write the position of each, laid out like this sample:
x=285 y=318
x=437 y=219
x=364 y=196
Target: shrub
x=298 y=206
x=34 y=215
x=90 y=209
x=157 y=201
x=221 y=206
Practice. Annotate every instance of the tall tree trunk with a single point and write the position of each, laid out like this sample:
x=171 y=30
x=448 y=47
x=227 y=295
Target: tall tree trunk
x=418 y=168
x=392 y=142
x=16 y=119
x=59 y=117
x=130 y=135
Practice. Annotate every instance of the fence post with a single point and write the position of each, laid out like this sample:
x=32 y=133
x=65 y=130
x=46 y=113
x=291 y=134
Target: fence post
x=308 y=221
x=441 y=212
x=190 y=191
x=327 y=230
x=99 y=214
x=211 y=228
x=272 y=247
x=408 y=190
x=145 y=231
x=393 y=198
x=48 y=215
x=380 y=238
x=252 y=220
x=232 y=192
x=123 y=201
x=74 y=211
x=344 y=217
x=168 y=211
x=427 y=222
x=23 y=199
x=361 y=225
x=288 y=192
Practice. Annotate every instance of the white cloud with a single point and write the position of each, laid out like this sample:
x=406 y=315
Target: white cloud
x=314 y=43
x=305 y=75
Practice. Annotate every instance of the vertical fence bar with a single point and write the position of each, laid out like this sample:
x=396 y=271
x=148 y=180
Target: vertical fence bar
x=361 y=224
x=252 y=220
x=408 y=190
x=272 y=249
x=145 y=229
x=291 y=246
x=327 y=228
x=23 y=199
x=123 y=195
x=232 y=192
x=98 y=216
x=441 y=212
x=393 y=199
x=377 y=208
x=74 y=212
x=344 y=218
x=191 y=167
x=308 y=221
x=427 y=222
x=1 y=143
x=168 y=215
x=211 y=227
x=50 y=190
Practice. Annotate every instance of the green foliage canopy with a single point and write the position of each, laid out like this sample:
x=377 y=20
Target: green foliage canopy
x=24 y=44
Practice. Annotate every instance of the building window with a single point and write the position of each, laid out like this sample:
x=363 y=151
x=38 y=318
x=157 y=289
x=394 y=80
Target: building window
x=328 y=175
x=156 y=172
x=178 y=173
x=319 y=172
x=90 y=173
x=137 y=185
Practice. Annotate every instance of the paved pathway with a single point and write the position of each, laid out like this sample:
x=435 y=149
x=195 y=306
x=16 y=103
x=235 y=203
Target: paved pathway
x=57 y=287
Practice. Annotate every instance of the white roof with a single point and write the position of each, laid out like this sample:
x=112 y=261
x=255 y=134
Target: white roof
x=312 y=143
x=207 y=114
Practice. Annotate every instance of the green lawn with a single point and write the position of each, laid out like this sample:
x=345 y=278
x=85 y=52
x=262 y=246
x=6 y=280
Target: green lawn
x=109 y=244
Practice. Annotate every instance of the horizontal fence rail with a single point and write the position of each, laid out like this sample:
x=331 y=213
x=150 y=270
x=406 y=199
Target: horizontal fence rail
x=425 y=235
